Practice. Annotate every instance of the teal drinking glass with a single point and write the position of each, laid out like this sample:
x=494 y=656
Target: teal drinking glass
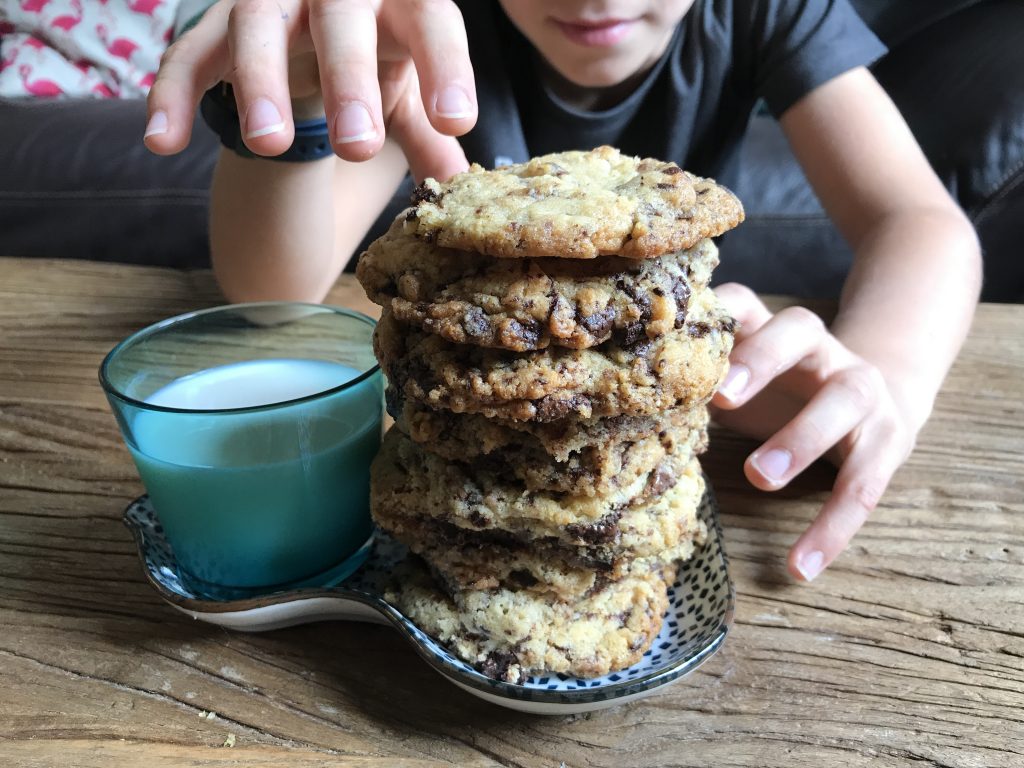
x=253 y=427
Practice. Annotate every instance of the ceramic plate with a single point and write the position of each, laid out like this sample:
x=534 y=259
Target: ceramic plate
x=699 y=616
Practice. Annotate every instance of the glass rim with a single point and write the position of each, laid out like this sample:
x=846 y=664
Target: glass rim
x=112 y=391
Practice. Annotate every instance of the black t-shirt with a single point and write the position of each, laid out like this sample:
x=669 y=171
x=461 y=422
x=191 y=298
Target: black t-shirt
x=693 y=106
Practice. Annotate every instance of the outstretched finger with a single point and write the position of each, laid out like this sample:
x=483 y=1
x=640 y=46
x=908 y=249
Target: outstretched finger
x=859 y=486
x=745 y=307
x=345 y=37
x=759 y=356
x=435 y=34
x=189 y=67
x=429 y=153
x=258 y=41
x=846 y=400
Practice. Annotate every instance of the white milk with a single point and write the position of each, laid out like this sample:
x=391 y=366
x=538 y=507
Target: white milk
x=252 y=383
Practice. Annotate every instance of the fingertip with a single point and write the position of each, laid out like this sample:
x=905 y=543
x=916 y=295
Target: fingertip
x=356 y=132
x=440 y=160
x=163 y=135
x=720 y=401
x=157 y=124
x=806 y=563
x=735 y=295
x=442 y=171
x=454 y=126
x=732 y=392
x=454 y=111
x=359 y=151
x=158 y=145
x=266 y=128
x=767 y=470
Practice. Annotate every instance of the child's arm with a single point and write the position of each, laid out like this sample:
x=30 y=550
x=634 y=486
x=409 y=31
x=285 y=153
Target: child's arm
x=284 y=230
x=867 y=386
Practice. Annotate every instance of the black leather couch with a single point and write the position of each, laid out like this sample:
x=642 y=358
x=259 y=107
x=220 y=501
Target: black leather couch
x=76 y=182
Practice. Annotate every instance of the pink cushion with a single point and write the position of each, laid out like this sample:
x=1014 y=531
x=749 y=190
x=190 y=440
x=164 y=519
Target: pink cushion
x=99 y=48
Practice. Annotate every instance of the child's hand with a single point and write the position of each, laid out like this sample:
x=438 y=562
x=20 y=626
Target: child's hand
x=396 y=63
x=794 y=385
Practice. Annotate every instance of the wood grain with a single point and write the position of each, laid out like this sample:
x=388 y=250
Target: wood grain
x=909 y=651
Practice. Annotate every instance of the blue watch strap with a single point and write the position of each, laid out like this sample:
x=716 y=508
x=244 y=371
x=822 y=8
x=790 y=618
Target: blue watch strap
x=312 y=138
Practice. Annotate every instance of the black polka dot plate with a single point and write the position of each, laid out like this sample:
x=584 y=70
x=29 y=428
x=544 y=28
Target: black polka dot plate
x=700 y=613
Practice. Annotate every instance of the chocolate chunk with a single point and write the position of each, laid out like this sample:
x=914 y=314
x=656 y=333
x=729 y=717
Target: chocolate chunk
x=642 y=300
x=604 y=531
x=698 y=330
x=630 y=334
x=681 y=293
x=552 y=408
x=424 y=194
x=599 y=323
x=393 y=401
x=527 y=334
x=498 y=664
x=661 y=480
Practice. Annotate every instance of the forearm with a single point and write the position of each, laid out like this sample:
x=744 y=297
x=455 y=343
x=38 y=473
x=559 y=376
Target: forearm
x=272 y=229
x=908 y=302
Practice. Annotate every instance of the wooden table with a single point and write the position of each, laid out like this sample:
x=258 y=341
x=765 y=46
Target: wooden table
x=909 y=651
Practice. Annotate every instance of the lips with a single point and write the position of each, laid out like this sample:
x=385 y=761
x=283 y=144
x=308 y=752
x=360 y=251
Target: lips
x=595 y=34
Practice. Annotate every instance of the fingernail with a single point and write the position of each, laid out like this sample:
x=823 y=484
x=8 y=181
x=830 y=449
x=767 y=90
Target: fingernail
x=354 y=124
x=773 y=464
x=453 y=103
x=262 y=119
x=810 y=565
x=157 y=124
x=736 y=381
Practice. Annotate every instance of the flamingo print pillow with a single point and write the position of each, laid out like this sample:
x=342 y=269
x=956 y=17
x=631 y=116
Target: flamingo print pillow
x=99 y=48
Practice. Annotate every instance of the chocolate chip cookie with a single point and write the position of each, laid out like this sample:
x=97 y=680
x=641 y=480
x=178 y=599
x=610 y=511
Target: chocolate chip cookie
x=511 y=634
x=411 y=487
x=592 y=457
x=468 y=435
x=635 y=376
x=527 y=304
x=463 y=559
x=575 y=205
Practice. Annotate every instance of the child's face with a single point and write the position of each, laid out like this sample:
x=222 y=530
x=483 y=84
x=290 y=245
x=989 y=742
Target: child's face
x=598 y=43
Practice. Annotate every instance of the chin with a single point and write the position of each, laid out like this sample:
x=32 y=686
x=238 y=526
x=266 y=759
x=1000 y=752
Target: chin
x=603 y=74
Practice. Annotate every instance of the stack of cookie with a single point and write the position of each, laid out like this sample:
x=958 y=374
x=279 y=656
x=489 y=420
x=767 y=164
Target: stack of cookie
x=550 y=344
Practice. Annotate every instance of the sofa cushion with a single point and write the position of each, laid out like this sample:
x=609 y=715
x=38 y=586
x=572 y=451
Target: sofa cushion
x=77 y=182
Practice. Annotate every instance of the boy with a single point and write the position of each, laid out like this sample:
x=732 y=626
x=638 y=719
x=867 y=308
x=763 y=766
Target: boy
x=674 y=79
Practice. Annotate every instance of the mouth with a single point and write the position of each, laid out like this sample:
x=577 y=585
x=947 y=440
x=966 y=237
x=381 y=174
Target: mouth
x=599 y=33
